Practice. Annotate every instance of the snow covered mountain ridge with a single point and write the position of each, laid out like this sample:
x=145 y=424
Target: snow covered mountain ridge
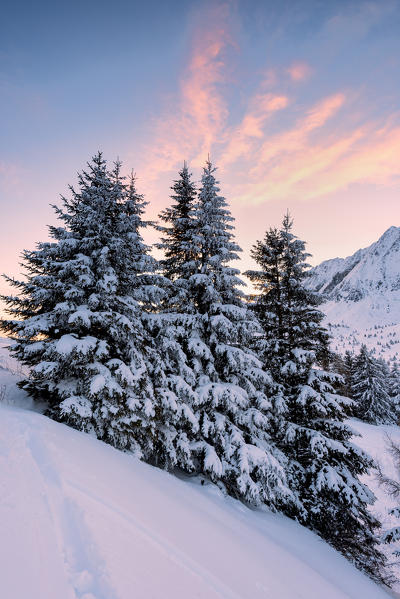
x=372 y=270
x=362 y=295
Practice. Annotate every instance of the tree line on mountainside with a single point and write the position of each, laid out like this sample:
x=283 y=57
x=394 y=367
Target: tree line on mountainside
x=372 y=383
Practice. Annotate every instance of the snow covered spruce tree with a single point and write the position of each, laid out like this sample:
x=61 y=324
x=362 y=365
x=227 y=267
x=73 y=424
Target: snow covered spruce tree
x=370 y=386
x=394 y=388
x=173 y=392
x=179 y=242
x=342 y=365
x=337 y=365
x=205 y=334
x=348 y=362
x=78 y=318
x=324 y=465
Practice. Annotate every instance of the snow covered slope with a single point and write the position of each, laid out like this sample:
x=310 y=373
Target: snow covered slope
x=80 y=520
x=363 y=296
x=374 y=440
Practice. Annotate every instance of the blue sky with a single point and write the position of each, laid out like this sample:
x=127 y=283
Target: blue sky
x=297 y=102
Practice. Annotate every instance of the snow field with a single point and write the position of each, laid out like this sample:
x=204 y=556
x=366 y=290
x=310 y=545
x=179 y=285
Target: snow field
x=81 y=520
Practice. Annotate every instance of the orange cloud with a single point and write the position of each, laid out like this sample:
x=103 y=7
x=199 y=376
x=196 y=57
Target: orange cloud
x=375 y=161
x=311 y=169
x=294 y=139
x=198 y=117
x=299 y=71
x=262 y=158
x=262 y=107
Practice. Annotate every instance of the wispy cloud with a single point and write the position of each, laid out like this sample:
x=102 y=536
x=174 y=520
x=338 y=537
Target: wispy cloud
x=300 y=168
x=354 y=21
x=11 y=176
x=299 y=71
x=196 y=118
x=271 y=146
x=241 y=140
x=292 y=140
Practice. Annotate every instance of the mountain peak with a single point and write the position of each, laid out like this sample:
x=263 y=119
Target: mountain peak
x=391 y=235
x=362 y=297
x=390 y=231
x=375 y=269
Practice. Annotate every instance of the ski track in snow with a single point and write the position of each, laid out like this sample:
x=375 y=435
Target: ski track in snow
x=83 y=565
x=161 y=544
x=84 y=569
x=72 y=510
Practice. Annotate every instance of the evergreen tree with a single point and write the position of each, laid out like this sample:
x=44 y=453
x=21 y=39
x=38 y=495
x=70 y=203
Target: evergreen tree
x=385 y=370
x=343 y=366
x=370 y=390
x=179 y=242
x=173 y=377
x=78 y=320
x=324 y=465
x=394 y=389
x=348 y=373
x=210 y=365
x=337 y=365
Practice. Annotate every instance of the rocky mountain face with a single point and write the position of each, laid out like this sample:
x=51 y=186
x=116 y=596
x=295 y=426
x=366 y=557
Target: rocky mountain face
x=362 y=297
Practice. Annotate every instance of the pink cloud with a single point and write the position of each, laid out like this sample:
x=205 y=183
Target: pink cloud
x=309 y=169
x=199 y=113
x=264 y=158
x=293 y=139
x=11 y=175
x=299 y=71
x=202 y=102
x=241 y=140
x=374 y=161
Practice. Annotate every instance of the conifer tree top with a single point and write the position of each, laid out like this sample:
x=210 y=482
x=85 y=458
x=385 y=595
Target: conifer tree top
x=216 y=239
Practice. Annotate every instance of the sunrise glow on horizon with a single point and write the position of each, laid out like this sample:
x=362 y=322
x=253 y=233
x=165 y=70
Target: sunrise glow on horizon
x=297 y=105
